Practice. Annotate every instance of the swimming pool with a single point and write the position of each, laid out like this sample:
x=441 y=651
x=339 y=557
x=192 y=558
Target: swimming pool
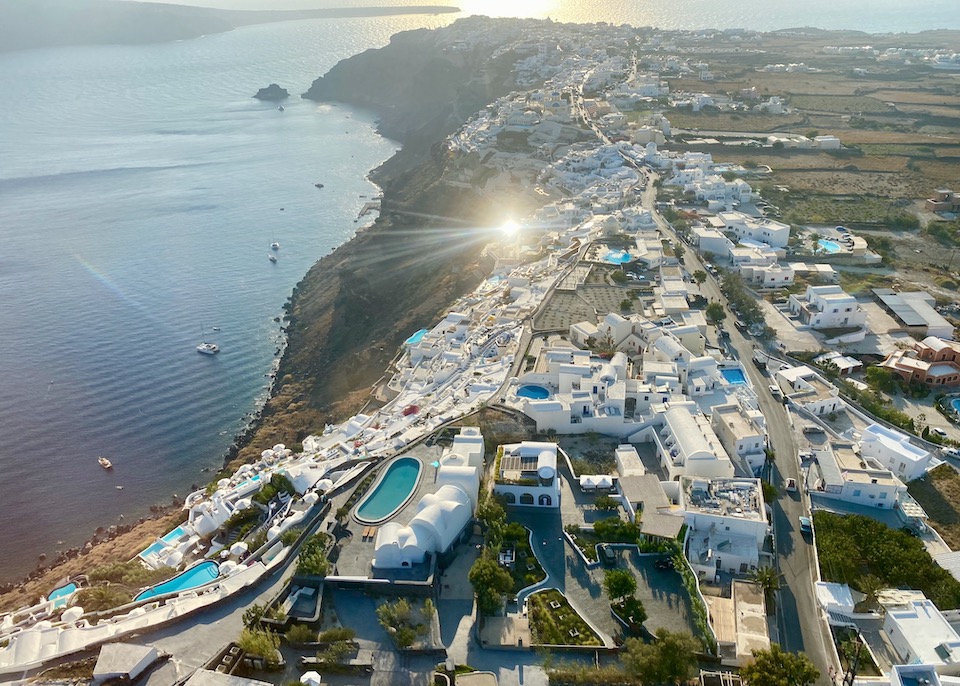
x=617 y=257
x=60 y=595
x=155 y=547
x=533 y=392
x=416 y=338
x=955 y=404
x=734 y=376
x=391 y=491
x=829 y=246
x=174 y=535
x=198 y=575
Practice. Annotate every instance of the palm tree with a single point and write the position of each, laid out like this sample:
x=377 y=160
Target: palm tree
x=768 y=579
x=815 y=242
x=870 y=585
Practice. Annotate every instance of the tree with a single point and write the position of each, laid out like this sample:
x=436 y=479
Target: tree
x=619 y=583
x=618 y=277
x=776 y=667
x=715 y=313
x=699 y=277
x=814 y=239
x=672 y=659
x=679 y=251
x=767 y=578
x=260 y=643
x=492 y=516
x=101 y=598
x=341 y=514
x=870 y=585
x=252 y=615
x=490 y=581
x=605 y=502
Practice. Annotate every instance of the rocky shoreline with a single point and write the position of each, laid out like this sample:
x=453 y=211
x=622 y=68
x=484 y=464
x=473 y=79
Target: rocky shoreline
x=348 y=316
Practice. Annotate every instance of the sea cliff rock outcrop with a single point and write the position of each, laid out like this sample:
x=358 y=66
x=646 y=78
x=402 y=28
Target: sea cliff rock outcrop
x=272 y=92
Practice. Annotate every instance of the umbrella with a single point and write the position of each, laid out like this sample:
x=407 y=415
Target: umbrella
x=239 y=548
x=324 y=485
x=311 y=498
x=226 y=567
x=311 y=679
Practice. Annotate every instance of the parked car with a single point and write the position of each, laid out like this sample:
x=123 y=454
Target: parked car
x=775 y=391
x=791 y=485
x=607 y=556
x=806 y=526
x=813 y=429
x=940 y=432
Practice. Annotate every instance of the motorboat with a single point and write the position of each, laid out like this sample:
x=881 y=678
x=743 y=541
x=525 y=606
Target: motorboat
x=272 y=258
x=105 y=463
x=318 y=185
x=280 y=108
x=274 y=246
x=208 y=348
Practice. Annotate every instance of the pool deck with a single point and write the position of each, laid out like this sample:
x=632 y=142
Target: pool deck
x=356 y=556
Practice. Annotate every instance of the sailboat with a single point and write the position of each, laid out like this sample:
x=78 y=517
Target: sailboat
x=207 y=348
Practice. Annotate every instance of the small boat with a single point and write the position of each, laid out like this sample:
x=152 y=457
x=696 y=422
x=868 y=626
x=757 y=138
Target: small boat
x=272 y=258
x=208 y=348
x=280 y=109
x=105 y=463
x=214 y=328
x=318 y=185
x=274 y=246
x=119 y=488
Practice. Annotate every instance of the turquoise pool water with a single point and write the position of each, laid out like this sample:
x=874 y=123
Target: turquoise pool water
x=955 y=404
x=174 y=535
x=155 y=547
x=197 y=575
x=829 y=246
x=60 y=595
x=734 y=376
x=533 y=392
x=391 y=492
x=417 y=337
x=617 y=257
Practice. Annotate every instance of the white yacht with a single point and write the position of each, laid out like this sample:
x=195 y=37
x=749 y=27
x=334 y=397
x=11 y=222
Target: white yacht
x=272 y=258
x=105 y=463
x=274 y=246
x=208 y=348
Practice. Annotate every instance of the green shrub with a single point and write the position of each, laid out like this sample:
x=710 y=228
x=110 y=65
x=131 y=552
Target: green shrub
x=300 y=633
x=341 y=633
x=260 y=643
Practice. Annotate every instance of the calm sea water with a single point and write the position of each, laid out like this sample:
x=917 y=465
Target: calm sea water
x=140 y=188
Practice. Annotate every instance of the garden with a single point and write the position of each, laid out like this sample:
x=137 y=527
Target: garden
x=526 y=569
x=609 y=530
x=554 y=622
x=854 y=548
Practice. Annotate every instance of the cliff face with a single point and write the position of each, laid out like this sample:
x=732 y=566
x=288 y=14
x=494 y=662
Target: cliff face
x=354 y=308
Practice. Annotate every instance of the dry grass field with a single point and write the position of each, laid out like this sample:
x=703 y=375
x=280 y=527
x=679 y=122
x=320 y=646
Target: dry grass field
x=939 y=493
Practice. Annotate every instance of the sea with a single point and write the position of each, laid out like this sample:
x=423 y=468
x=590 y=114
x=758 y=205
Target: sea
x=140 y=190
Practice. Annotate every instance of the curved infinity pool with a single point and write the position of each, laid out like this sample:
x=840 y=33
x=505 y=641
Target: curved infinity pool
x=955 y=404
x=391 y=491
x=533 y=392
x=197 y=575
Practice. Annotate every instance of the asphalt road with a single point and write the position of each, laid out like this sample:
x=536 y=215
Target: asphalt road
x=799 y=625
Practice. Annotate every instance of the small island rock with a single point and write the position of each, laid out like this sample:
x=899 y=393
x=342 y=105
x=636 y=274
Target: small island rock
x=272 y=92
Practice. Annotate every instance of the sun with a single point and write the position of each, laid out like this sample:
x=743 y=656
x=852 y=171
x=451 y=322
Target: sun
x=510 y=229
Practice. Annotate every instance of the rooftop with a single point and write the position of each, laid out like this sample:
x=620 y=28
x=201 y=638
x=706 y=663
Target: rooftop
x=740 y=498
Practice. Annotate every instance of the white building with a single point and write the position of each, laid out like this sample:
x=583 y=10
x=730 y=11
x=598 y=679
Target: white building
x=894 y=451
x=527 y=474
x=741 y=433
x=727 y=524
x=919 y=633
x=442 y=516
x=687 y=446
x=827 y=307
x=809 y=390
x=709 y=239
x=768 y=276
x=769 y=231
x=628 y=461
x=845 y=475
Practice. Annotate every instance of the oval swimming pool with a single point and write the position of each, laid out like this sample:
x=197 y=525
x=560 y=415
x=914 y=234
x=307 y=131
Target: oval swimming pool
x=197 y=575
x=617 y=257
x=533 y=392
x=391 y=492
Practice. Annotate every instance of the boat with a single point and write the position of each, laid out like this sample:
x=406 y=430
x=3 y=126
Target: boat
x=105 y=463
x=280 y=109
x=119 y=488
x=318 y=185
x=274 y=246
x=214 y=328
x=272 y=258
x=208 y=348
